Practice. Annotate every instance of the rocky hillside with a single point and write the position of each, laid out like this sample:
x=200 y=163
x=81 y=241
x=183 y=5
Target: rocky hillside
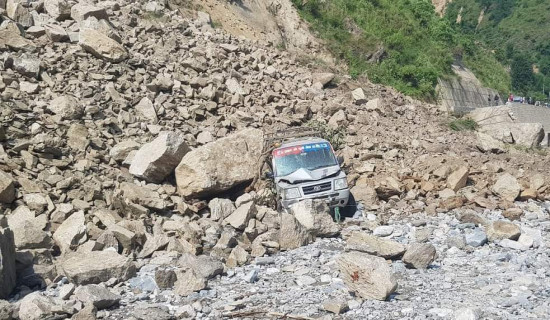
x=515 y=31
x=130 y=134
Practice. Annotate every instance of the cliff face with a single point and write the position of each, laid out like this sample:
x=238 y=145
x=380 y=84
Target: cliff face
x=465 y=93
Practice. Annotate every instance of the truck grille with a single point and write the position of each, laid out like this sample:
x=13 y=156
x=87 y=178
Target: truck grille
x=325 y=186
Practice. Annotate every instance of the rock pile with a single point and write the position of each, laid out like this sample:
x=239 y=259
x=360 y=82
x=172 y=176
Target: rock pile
x=128 y=137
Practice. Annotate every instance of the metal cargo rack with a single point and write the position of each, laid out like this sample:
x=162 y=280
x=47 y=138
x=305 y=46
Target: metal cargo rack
x=274 y=139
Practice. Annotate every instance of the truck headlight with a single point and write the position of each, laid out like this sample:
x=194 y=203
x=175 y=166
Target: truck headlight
x=292 y=193
x=340 y=184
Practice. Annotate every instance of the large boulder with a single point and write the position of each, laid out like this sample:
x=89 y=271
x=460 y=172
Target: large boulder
x=315 y=216
x=364 y=242
x=527 y=134
x=220 y=165
x=507 y=187
x=7 y=188
x=7 y=259
x=101 y=46
x=158 y=158
x=97 y=266
x=368 y=276
x=71 y=233
x=292 y=234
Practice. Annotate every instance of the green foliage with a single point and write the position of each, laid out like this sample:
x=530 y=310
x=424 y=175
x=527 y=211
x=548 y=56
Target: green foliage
x=334 y=136
x=515 y=29
x=418 y=46
x=522 y=74
x=463 y=124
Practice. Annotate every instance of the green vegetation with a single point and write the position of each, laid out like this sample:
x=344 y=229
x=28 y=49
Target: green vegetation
x=517 y=30
x=334 y=136
x=463 y=124
x=401 y=43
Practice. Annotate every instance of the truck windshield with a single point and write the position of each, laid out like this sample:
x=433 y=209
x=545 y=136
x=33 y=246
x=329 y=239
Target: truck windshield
x=308 y=156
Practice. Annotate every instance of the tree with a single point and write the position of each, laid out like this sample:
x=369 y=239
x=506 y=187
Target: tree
x=522 y=74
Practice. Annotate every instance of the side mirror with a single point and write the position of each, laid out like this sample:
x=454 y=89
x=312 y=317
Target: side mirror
x=268 y=175
x=340 y=160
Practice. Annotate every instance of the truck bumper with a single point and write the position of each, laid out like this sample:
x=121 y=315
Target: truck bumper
x=332 y=198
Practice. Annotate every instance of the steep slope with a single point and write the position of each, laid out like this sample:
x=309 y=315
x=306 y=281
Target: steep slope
x=402 y=43
x=516 y=30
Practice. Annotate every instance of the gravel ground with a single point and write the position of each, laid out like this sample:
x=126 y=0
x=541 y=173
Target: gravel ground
x=485 y=282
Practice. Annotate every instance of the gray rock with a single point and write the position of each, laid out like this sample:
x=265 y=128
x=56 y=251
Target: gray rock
x=189 y=282
x=358 y=96
x=153 y=243
x=467 y=314
x=165 y=278
x=507 y=243
x=27 y=65
x=315 y=216
x=476 y=239
x=363 y=242
x=499 y=230
x=36 y=306
x=220 y=208
x=71 y=233
x=96 y=266
x=14 y=41
x=292 y=234
x=240 y=217
x=96 y=295
x=507 y=187
x=158 y=158
x=368 y=276
x=152 y=312
x=89 y=312
x=101 y=46
x=58 y=9
x=419 y=255
x=220 y=165
x=146 y=110
x=251 y=276
x=56 y=33
x=66 y=291
x=67 y=107
x=336 y=307
x=8 y=311
x=237 y=257
x=81 y=12
x=383 y=231
x=120 y=151
x=204 y=266
x=7 y=188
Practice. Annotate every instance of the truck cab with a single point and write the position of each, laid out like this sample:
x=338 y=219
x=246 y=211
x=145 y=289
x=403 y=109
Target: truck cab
x=307 y=168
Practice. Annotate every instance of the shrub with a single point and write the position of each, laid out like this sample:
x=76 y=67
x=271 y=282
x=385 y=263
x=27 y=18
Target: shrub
x=334 y=136
x=463 y=124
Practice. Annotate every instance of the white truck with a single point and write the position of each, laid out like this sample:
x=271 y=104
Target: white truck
x=305 y=167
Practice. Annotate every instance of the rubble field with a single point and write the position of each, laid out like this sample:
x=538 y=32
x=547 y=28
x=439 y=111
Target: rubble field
x=131 y=132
